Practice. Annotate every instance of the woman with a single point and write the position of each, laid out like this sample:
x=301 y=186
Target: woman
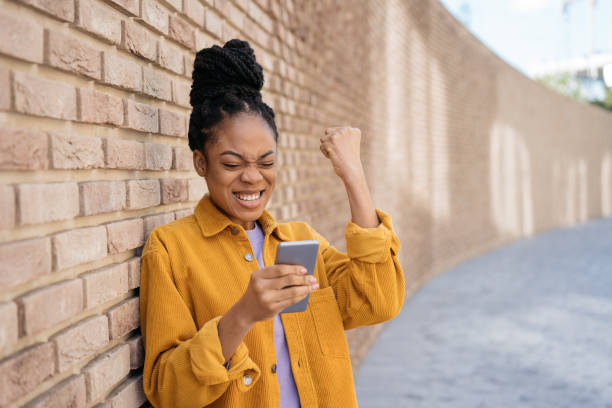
x=210 y=293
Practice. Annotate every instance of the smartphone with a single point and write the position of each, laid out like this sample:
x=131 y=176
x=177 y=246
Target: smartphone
x=298 y=253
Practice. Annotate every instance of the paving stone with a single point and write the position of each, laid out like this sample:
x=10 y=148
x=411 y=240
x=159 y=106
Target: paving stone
x=525 y=325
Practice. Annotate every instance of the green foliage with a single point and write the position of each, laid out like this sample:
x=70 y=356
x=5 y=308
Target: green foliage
x=568 y=85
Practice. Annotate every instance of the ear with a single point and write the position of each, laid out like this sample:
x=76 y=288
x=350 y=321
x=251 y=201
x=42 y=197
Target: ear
x=199 y=163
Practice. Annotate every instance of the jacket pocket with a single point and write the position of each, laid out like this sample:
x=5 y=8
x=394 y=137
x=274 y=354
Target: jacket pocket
x=328 y=323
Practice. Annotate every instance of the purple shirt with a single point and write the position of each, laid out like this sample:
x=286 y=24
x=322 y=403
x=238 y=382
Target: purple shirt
x=289 y=397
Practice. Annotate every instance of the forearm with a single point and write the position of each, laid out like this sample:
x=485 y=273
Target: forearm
x=363 y=212
x=232 y=327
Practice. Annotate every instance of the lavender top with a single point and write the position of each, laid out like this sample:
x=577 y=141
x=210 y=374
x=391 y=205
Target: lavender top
x=289 y=397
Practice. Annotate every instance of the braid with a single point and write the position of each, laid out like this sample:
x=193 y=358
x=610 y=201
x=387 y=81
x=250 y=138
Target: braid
x=226 y=81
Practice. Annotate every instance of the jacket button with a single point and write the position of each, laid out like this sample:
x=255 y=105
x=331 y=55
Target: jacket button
x=248 y=256
x=235 y=230
x=299 y=364
x=273 y=368
x=247 y=380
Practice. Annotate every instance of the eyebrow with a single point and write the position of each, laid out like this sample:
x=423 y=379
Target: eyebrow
x=230 y=152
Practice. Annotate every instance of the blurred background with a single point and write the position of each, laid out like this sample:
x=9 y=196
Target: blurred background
x=565 y=44
x=486 y=134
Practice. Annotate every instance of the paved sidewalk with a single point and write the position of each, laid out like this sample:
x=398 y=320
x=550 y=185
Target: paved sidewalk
x=526 y=325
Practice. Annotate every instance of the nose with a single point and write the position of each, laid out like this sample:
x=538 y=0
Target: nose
x=251 y=175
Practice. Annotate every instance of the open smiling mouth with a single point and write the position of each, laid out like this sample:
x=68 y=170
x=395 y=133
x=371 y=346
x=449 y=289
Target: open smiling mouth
x=242 y=196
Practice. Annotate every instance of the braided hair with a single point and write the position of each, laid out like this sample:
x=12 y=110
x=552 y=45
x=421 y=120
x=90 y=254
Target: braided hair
x=226 y=81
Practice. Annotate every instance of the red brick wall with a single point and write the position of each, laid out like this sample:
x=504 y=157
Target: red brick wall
x=462 y=150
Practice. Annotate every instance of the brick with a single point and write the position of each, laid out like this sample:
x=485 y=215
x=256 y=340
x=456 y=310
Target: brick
x=170 y=57
x=124 y=154
x=62 y=9
x=125 y=235
x=143 y=194
x=9 y=326
x=136 y=352
x=21 y=38
x=23 y=261
x=78 y=246
x=46 y=307
x=156 y=84
x=7 y=203
x=5 y=85
x=194 y=10
x=99 y=197
x=141 y=117
x=171 y=124
x=101 y=21
x=80 y=341
x=183 y=159
x=153 y=221
x=180 y=93
x=181 y=31
x=261 y=17
x=69 y=54
x=105 y=284
x=158 y=156
x=122 y=72
x=175 y=4
x=41 y=97
x=173 y=190
x=98 y=107
x=76 y=152
x=21 y=373
x=203 y=40
x=40 y=203
x=23 y=149
x=213 y=24
x=138 y=41
x=106 y=371
x=131 y=6
x=124 y=317
x=69 y=393
x=183 y=213
x=197 y=188
x=189 y=63
x=153 y=14
x=129 y=394
x=133 y=266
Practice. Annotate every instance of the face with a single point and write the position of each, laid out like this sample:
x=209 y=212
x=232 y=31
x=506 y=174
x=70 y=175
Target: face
x=240 y=167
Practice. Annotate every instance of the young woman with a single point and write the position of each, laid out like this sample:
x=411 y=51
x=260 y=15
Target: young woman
x=210 y=293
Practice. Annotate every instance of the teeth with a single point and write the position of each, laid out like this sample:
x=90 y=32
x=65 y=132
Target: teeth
x=249 y=197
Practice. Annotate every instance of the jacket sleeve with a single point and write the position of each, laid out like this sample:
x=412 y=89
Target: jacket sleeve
x=184 y=366
x=368 y=280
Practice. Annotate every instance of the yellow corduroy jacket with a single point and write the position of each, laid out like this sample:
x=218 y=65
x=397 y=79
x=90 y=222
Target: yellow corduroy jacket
x=194 y=270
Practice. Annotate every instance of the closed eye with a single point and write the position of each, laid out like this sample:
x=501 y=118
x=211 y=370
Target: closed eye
x=231 y=165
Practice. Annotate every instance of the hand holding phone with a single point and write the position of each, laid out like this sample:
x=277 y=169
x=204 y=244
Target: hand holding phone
x=302 y=253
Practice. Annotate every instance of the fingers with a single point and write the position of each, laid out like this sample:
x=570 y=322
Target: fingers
x=293 y=280
x=325 y=150
x=276 y=271
x=291 y=295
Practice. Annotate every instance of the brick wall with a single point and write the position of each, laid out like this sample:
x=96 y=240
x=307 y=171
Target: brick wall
x=462 y=150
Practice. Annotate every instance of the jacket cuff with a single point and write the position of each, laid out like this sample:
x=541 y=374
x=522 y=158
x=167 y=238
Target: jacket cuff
x=371 y=245
x=208 y=363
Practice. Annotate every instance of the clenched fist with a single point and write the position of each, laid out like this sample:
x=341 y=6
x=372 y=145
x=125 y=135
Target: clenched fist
x=341 y=146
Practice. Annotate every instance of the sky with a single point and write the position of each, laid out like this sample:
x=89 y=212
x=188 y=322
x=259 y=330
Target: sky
x=528 y=32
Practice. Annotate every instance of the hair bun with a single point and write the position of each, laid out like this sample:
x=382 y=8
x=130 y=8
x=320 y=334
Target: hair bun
x=233 y=68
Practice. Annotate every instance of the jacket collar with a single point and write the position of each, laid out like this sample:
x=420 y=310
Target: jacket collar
x=212 y=221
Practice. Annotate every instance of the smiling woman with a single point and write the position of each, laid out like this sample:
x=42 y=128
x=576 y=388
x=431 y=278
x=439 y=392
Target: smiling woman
x=239 y=168
x=210 y=294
